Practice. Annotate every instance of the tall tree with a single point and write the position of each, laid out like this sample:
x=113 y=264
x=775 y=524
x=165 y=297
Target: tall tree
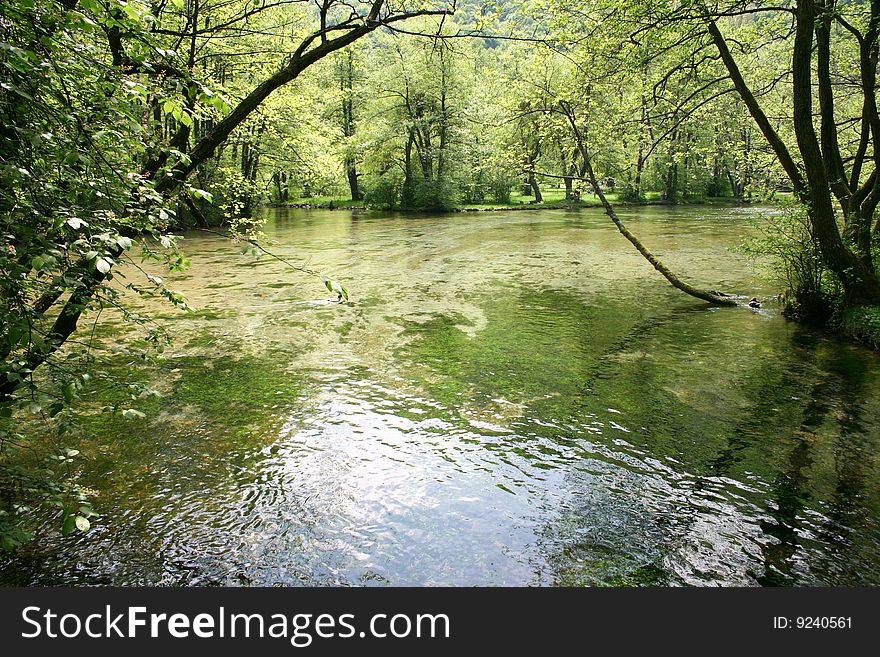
x=345 y=71
x=819 y=175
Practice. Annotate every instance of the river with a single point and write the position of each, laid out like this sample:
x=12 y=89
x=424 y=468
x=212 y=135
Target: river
x=508 y=398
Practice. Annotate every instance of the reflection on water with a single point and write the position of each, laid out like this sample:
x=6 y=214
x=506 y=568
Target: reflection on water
x=508 y=399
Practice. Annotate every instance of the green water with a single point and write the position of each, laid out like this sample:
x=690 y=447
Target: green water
x=508 y=399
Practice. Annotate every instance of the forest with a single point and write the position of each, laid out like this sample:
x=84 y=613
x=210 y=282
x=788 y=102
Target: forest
x=152 y=150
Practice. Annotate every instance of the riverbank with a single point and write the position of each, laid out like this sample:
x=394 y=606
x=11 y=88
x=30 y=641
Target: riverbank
x=327 y=203
x=863 y=325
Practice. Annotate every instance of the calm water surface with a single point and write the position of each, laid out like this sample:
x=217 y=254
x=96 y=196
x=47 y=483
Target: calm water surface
x=508 y=399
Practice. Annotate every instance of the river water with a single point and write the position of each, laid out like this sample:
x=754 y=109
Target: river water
x=507 y=399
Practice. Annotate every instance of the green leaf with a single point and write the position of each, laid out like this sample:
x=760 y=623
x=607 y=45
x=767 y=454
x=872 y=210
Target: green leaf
x=103 y=265
x=16 y=332
x=68 y=525
x=132 y=10
x=82 y=523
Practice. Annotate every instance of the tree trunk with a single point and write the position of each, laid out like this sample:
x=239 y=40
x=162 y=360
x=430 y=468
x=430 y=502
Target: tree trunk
x=443 y=127
x=532 y=180
x=640 y=167
x=860 y=282
x=64 y=325
x=672 y=183
x=407 y=194
x=641 y=158
x=736 y=185
x=675 y=281
x=276 y=180
x=710 y=296
x=352 y=174
x=348 y=123
x=864 y=199
x=536 y=190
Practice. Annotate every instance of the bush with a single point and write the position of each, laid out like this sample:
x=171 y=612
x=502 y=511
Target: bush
x=382 y=192
x=629 y=194
x=501 y=187
x=434 y=195
x=813 y=293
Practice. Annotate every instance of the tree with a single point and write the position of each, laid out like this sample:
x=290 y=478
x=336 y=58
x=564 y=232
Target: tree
x=165 y=173
x=71 y=200
x=588 y=107
x=820 y=177
x=417 y=136
x=107 y=110
x=346 y=74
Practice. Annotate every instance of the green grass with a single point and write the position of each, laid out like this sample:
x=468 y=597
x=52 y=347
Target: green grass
x=552 y=197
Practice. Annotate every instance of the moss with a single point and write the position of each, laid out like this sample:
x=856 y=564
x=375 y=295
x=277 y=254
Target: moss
x=204 y=340
x=863 y=324
x=648 y=575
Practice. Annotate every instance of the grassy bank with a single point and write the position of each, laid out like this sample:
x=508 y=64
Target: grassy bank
x=554 y=199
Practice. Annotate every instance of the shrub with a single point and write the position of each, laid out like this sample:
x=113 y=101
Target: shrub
x=501 y=186
x=629 y=194
x=813 y=292
x=438 y=195
x=382 y=192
